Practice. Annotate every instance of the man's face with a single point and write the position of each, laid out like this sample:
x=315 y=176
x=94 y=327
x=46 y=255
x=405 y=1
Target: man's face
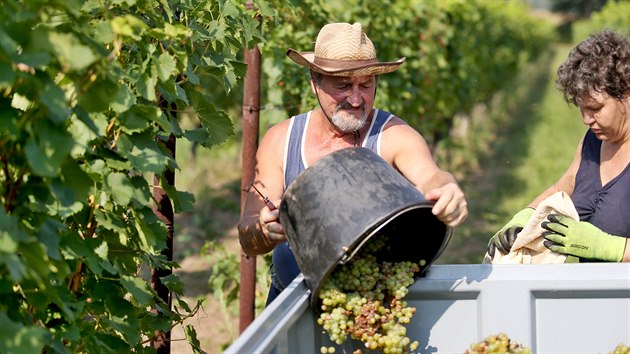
x=347 y=100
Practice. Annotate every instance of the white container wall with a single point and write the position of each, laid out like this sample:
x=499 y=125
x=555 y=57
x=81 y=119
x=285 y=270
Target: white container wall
x=555 y=308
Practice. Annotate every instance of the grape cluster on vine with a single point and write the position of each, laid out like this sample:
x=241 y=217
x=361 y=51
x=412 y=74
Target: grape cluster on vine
x=363 y=300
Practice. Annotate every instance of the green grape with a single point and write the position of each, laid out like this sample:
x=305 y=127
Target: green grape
x=363 y=300
x=621 y=349
x=495 y=344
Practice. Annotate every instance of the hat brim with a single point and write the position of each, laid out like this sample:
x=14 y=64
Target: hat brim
x=350 y=68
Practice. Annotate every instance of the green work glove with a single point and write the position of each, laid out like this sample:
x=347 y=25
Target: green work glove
x=518 y=221
x=582 y=239
x=503 y=242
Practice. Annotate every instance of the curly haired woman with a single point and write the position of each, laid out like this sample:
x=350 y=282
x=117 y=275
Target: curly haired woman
x=595 y=78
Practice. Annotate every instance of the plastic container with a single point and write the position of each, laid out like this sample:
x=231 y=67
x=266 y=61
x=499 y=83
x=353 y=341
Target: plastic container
x=336 y=205
x=555 y=308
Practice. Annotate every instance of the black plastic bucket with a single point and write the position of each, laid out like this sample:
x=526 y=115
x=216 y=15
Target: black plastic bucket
x=336 y=205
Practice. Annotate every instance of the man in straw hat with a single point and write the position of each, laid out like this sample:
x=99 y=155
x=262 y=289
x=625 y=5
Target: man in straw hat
x=343 y=71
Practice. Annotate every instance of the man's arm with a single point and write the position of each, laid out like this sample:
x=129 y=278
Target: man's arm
x=259 y=228
x=410 y=154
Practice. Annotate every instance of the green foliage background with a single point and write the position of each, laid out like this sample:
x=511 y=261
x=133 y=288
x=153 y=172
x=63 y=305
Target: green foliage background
x=90 y=91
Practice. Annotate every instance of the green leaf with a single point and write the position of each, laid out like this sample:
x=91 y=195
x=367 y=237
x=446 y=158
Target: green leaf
x=217 y=123
x=110 y=221
x=120 y=187
x=76 y=179
x=138 y=288
x=172 y=92
x=39 y=266
x=8 y=44
x=82 y=135
x=144 y=153
x=128 y=26
x=98 y=96
x=185 y=202
x=123 y=99
x=168 y=126
x=17 y=338
x=65 y=203
x=191 y=336
x=71 y=51
x=134 y=120
x=53 y=98
x=177 y=31
x=141 y=192
x=165 y=66
x=7 y=75
x=49 y=237
x=17 y=269
x=127 y=325
x=148 y=238
x=48 y=149
x=173 y=283
x=146 y=86
x=7 y=243
x=96 y=169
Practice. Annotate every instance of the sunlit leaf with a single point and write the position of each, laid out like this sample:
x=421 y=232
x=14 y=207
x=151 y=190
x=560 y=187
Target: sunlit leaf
x=123 y=99
x=138 y=289
x=166 y=66
x=120 y=187
x=71 y=51
x=146 y=86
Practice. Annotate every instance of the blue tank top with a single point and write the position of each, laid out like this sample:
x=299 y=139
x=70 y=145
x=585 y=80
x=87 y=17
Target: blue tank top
x=607 y=206
x=285 y=267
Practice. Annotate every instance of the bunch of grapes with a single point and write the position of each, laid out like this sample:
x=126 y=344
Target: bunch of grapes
x=621 y=349
x=495 y=344
x=363 y=299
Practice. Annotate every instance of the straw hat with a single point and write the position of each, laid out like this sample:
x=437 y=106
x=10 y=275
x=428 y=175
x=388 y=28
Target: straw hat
x=343 y=49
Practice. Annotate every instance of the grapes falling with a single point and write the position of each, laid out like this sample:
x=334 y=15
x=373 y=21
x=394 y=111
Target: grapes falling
x=363 y=300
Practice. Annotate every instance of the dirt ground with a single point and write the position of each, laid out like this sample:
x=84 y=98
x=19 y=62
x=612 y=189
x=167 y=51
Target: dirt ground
x=214 y=331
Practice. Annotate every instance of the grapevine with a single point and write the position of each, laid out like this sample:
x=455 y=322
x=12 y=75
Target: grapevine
x=495 y=344
x=364 y=299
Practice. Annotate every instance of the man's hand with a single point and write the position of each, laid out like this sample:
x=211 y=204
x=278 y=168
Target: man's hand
x=582 y=239
x=450 y=206
x=270 y=224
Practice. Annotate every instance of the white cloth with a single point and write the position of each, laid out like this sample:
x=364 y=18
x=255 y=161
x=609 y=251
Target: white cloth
x=528 y=247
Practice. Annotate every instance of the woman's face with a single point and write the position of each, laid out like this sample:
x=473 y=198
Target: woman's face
x=347 y=100
x=608 y=117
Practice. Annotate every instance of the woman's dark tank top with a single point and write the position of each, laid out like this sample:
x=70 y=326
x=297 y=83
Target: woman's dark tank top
x=607 y=206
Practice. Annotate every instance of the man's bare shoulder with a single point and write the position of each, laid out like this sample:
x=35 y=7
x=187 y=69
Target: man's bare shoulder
x=274 y=139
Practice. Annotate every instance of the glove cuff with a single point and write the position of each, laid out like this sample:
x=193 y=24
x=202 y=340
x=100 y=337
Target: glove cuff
x=614 y=248
x=522 y=217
